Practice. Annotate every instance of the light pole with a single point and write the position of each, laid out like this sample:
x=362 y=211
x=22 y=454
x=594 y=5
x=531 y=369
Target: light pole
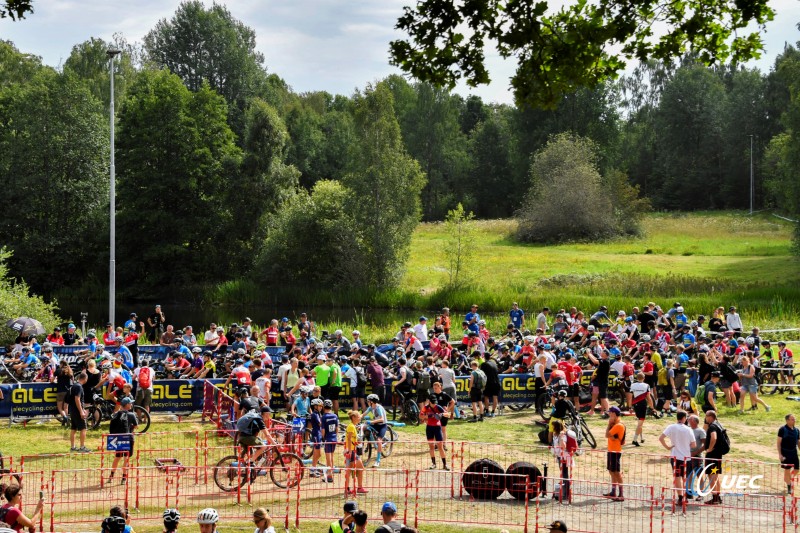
x=112 y=267
x=752 y=188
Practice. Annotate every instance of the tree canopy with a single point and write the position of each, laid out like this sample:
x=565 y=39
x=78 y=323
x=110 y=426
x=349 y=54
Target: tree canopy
x=580 y=44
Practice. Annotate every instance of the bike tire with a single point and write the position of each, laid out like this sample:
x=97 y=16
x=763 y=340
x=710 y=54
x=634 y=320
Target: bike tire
x=307 y=447
x=543 y=405
x=227 y=476
x=94 y=417
x=411 y=412
x=143 y=417
x=587 y=434
x=768 y=385
x=518 y=406
x=388 y=442
x=366 y=456
x=287 y=470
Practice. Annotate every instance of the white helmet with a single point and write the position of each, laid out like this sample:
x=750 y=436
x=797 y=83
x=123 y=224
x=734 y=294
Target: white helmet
x=750 y=341
x=623 y=337
x=645 y=338
x=679 y=309
x=208 y=516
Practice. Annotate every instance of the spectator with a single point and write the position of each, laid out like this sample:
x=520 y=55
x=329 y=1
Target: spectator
x=788 y=438
x=71 y=337
x=477 y=382
x=122 y=423
x=189 y=338
x=352 y=456
x=698 y=446
x=360 y=522
x=642 y=399
x=681 y=438
x=172 y=518
x=144 y=376
x=121 y=512
x=211 y=337
x=113 y=524
x=346 y=522
x=517 y=316
x=263 y=521
x=559 y=526
x=389 y=515
x=167 y=338
x=715 y=447
x=615 y=433
x=710 y=394
x=541 y=320
x=564 y=446
x=77 y=414
x=11 y=512
x=733 y=321
x=64 y=378
x=432 y=414
x=749 y=385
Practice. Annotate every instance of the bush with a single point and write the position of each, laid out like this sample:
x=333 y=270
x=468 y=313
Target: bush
x=16 y=301
x=569 y=200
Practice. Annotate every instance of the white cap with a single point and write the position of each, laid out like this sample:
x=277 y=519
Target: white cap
x=337 y=332
x=356 y=332
x=322 y=357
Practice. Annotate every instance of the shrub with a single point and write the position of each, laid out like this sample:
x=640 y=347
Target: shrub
x=16 y=300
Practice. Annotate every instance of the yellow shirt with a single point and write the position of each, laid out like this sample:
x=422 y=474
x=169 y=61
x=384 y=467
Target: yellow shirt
x=350 y=437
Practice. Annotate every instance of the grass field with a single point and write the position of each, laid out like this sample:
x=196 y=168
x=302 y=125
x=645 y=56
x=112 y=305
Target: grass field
x=701 y=259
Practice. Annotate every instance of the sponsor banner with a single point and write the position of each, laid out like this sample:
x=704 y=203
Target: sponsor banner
x=186 y=395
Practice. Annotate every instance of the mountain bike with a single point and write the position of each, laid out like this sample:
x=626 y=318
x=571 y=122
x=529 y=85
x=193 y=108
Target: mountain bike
x=582 y=432
x=103 y=409
x=284 y=469
x=369 y=436
x=409 y=409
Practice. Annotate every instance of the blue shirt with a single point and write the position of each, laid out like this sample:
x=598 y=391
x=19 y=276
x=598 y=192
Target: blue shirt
x=516 y=317
x=681 y=319
x=31 y=360
x=469 y=316
x=330 y=423
x=127 y=356
x=130 y=324
x=126 y=375
x=301 y=406
x=316 y=424
x=185 y=351
x=598 y=315
x=688 y=339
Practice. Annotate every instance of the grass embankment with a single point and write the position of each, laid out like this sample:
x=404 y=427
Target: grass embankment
x=701 y=259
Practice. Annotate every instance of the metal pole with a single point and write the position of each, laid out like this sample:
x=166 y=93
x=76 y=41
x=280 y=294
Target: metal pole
x=752 y=187
x=112 y=267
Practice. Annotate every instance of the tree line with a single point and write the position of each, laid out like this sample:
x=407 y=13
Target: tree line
x=225 y=172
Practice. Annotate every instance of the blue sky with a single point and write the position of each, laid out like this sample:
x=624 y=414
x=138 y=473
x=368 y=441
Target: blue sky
x=332 y=45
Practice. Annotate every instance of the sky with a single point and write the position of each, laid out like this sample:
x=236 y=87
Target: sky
x=331 y=45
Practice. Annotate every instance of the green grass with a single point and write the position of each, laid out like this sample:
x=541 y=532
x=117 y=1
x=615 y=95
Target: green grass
x=701 y=259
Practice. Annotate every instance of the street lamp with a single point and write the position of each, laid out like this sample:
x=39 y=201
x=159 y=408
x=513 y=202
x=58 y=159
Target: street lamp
x=752 y=187
x=112 y=276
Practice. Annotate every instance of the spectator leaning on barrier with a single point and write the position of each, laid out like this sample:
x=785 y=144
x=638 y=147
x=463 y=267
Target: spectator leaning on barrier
x=788 y=439
x=681 y=439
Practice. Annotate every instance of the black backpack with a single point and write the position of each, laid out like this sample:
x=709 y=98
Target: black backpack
x=120 y=423
x=3 y=513
x=361 y=377
x=723 y=441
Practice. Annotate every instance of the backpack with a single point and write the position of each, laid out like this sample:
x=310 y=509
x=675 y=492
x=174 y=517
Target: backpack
x=120 y=423
x=145 y=377
x=662 y=377
x=434 y=375
x=700 y=395
x=423 y=381
x=3 y=513
x=480 y=379
x=361 y=377
x=245 y=424
x=723 y=441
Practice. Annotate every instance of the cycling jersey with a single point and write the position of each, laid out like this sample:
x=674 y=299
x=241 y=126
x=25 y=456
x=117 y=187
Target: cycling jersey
x=330 y=425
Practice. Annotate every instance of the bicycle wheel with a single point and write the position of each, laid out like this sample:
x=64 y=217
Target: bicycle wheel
x=94 y=417
x=411 y=412
x=228 y=475
x=367 y=455
x=543 y=405
x=388 y=441
x=769 y=382
x=587 y=434
x=286 y=470
x=143 y=417
x=308 y=446
x=518 y=406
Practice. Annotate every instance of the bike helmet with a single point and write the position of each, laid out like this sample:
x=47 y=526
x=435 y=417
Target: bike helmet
x=197 y=349
x=750 y=341
x=562 y=393
x=623 y=337
x=172 y=515
x=177 y=340
x=407 y=324
x=679 y=309
x=105 y=366
x=306 y=390
x=208 y=516
x=562 y=346
x=328 y=404
x=645 y=338
x=315 y=402
x=113 y=524
x=373 y=398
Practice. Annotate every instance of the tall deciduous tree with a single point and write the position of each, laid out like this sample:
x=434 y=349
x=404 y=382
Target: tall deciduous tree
x=561 y=48
x=53 y=164
x=174 y=153
x=385 y=184
x=89 y=62
x=207 y=45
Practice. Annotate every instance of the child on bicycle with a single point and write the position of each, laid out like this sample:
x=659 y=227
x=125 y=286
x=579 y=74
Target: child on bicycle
x=352 y=456
x=378 y=423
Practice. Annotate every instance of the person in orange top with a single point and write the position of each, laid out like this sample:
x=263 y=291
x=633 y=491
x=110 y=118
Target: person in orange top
x=446 y=322
x=615 y=433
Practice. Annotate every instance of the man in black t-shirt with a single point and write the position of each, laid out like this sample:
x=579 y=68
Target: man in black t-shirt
x=77 y=415
x=600 y=380
x=123 y=422
x=788 y=437
x=446 y=402
x=714 y=455
x=156 y=323
x=492 y=389
x=71 y=336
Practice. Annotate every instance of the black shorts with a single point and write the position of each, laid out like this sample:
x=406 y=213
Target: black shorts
x=76 y=423
x=444 y=421
x=330 y=447
x=125 y=454
x=790 y=461
x=575 y=390
x=666 y=392
x=491 y=390
x=475 y=395
x=334 y=393
x=640 y=409
x=602 y=389
x=358 y=392
x=614 y=461
x=325 y=392
x=715 y=461
x=434 y=433
x=380 y=391
x=678 y=467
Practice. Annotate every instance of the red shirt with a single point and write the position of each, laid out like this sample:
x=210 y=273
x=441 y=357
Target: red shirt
x=566 y=368
x=242 y=376
x=108 y=338
x=431 y=412
x=272 y=336
x=648 y=367
x=628 y=370
x=55 y=339
x=11 y=517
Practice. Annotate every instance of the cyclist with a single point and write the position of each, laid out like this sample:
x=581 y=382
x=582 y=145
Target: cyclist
x=301 y=404
x=316 y=435
x=561 y=409
x=378 y=423
x=171 y=519
x=330 y=427
x=448 y=403
x=432 y=414
x=208 y=518
x=786 y=358
x=113 y=524
x=249 y=429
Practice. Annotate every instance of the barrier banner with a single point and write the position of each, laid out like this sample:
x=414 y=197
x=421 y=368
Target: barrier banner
x=186 y=395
